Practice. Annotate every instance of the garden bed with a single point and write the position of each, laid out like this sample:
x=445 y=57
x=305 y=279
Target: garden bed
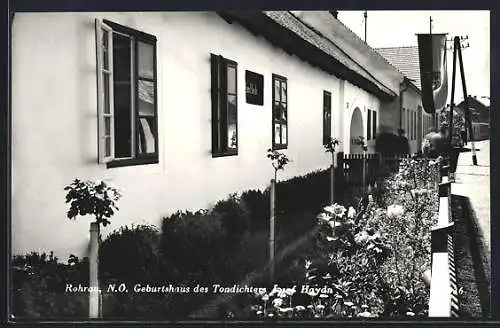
x=366 y=257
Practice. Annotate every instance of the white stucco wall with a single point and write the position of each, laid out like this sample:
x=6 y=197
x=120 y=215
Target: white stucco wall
x=411 y=101
x=54 y=118
x=354 y=97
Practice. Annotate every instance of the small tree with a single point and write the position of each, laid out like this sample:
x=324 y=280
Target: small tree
x=92 y=198
x=361 y=142
x=279 y=160
x=97 y=199
x=330 y=148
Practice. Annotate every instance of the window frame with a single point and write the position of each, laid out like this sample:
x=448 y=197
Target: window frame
x=374 y=124
x=327 y=116
x=218 y=65
x=282 y=79
x=135 y=36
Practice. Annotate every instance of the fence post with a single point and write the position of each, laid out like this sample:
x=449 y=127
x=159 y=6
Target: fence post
x=364 y=171
x=94 y=271
x=339 y=182
x=332 y=180
x=271 y=231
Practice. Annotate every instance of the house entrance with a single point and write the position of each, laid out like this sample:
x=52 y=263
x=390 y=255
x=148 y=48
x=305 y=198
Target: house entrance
x=356 y=131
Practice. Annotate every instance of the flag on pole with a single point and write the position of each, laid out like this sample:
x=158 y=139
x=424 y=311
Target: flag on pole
x=433 y=71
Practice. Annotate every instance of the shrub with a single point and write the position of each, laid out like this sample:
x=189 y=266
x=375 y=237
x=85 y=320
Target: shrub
x=193 y=246
x=39 y=282
x=234 y=217
x=257 y=203
x=308 y=192
x=130 y=255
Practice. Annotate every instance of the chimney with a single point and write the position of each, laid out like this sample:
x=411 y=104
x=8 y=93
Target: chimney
x=334 y=13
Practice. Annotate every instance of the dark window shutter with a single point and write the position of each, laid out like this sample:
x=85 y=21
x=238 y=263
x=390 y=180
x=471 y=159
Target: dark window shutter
x=369 y=125
x=214 y=71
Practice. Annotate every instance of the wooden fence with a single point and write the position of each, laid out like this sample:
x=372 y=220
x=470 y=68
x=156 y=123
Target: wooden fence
x=362 y=171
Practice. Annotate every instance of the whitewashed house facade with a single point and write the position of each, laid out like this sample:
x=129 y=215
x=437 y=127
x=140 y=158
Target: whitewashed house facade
x=174 y=109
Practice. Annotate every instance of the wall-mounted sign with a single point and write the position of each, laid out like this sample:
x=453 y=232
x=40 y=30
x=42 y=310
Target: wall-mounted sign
x=254 y=88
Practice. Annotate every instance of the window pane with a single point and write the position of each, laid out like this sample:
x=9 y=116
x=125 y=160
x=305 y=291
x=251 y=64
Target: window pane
x=277 y=133
x=283 y=113
x=284 y=134
x=277 y=90
x=146 y=135
x=121 y=58
x=107 y=125
x=276 y=110
x=146 y=60
x=122 y=96
x=146 y=95
x=283 y=91
x=232 y=137
x=106 y=91
x=231 y=121
x=105 y=35
x=231 y=109
x=105 y=59
x=107 y=146
x=231 y=79
x=104 y=45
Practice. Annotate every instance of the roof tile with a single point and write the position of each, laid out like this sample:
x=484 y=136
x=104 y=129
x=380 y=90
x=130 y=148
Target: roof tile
x=405 y=59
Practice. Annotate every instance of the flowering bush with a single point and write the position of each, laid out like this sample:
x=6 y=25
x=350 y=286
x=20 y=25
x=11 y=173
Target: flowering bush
x=412 y=211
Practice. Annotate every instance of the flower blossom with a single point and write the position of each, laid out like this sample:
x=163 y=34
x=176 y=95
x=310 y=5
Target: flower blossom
x=334 y=224
x=277 y=302
x=336 y=209
x=361 y=237
x=351 y=213
x=419 y=192
x=324 y=217
x=395 y=211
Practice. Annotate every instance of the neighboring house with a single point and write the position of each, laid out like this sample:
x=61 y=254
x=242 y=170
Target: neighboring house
x=480 y=115
x=175 y=109
x=407 y=109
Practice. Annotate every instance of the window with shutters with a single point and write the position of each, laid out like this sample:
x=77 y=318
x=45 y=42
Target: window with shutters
x=127 y=98
x=327 y=116
x=224 y=106
x=280 y=113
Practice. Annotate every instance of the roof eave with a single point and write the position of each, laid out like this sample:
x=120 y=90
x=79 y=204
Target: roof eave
x=260 y=24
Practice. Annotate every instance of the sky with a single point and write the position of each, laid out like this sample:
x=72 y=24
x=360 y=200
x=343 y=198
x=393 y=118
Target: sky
x=399 y=28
